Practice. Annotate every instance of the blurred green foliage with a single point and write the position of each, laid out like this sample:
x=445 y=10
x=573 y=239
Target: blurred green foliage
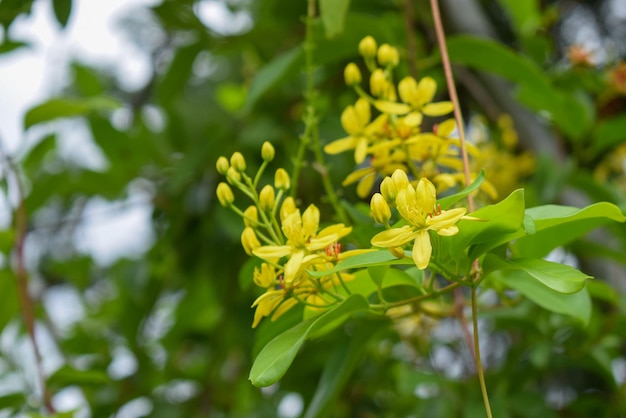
x=181 y=311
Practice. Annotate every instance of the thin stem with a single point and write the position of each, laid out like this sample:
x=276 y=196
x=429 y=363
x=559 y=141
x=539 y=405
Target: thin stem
x=27 y=305
x=416 y=299
x=481 y=375
x=310 y=138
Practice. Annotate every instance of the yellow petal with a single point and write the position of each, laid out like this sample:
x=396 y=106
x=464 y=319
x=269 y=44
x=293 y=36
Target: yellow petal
x=395 y=237
x=360 y=151
x=365 y=186
x=446 y=127
x=449 y=231
x=319 y=243
x=357 y=175
x=438 y=109
x=340 y=230
x=426 y=89
x=426 y=195
x=407 y=88
x=292 y=266
x=340 y=145
x=392 y=107
x=310 y=221
x=350 y=121
x=413 y=119
x=422 y=249
x=446 y=219
x=272 y=252
x=362 y=108
x=284 y=307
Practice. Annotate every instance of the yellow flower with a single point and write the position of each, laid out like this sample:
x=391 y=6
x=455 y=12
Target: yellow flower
x=384 y=162
x=416 y=101
x=303 y=241
x=356 y=122
x=417 y=207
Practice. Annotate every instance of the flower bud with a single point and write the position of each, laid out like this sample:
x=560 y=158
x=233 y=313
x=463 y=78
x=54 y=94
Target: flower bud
x=251 y=216
x=249 y=241
x=281 y=179
x=232 y=175
x=397 y=251
x=388 y=55
x=400 y=179
x=378 y=83
x=367 y=47
x=225 y=195
x=388 y=189
x=266 y=198
x=287 y=208
x=352 y=74
x=222 y=165
x=310 y=220
x=267 y=151
x=238 y=162
x=380 y=209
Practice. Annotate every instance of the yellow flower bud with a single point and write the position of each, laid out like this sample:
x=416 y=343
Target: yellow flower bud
x=352 y=74
x=388 y=55
x=367 y=47
x=267 y=151
x=287 y=208
x=380 y=209
x=400 y=179
x=265 y=276
x=397 y=251
x=310 y=220
x=222 y=165
x=249 y=241
x=266 y=198
x=251 y=216
x=378 y=83
x=232 y=175
x=281 y=179
x=238 y=162
x=225 y=195
x=388 y=189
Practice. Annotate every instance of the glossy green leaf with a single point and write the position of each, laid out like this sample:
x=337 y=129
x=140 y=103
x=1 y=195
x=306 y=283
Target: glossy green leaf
x=68 y=375
x=275 y=358
x=559 y=277
x=273 y=73
x=66 y=107
x=448 y=201
x=373 y=258
x=333 y=13
x=559 y=225
x=341 y=362
x=576 y=305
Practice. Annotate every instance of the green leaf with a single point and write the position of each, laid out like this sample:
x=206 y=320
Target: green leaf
x=576 y=305
x=65 y=107
x=340 y=364
x=524 y=14
x=333 y=13
x=7 y=238
x=68 y=375
x=372 y=258
x=62 y=10
x=12 y=400
x=273 y=361
x=9 y=308
x=609 y=133
x=377 y=273
x=495 y=222
x=363 y=284
x=448 y=201
x=273 y=73
x=558 y=277
x=559 y=225
x=8 y=45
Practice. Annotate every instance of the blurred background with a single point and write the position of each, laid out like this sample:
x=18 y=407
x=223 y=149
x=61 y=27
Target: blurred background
x=112 y=115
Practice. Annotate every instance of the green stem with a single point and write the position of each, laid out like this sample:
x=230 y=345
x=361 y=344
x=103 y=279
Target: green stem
x=479 y=365
x=416 y=299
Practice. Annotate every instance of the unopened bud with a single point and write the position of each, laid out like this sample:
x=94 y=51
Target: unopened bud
x=352 y=74
x=397 y=251
x=225 y=194
x=388 y=55
x=378 y=83
x=367 y=47
x=222 y=165
x=249 y=241
x=287 y=208
x=281 y=179
x=267 y=151
x=266 y=198
x=251 y=216
x=380 y=209
x=388 y=189
x=232 y=175
x=400 y=179
x=238 y=162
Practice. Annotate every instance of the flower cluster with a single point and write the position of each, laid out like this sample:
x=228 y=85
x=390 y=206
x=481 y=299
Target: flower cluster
x=417 y=205
x=289 y=242
x=397 y=137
